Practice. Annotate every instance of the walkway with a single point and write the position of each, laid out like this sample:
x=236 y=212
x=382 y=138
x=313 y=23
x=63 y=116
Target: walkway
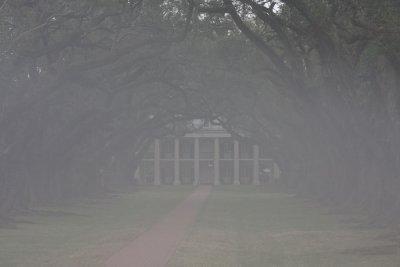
x=154 y=247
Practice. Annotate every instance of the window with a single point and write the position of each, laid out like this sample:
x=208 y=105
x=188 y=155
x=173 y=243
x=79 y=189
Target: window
x=186 y=148
x=245 y=150
x=167 y=148
x=226 y=148
x=206 y=148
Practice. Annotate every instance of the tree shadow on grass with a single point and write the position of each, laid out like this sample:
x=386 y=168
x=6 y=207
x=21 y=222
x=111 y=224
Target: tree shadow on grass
x=56 y=213
x=389 y=249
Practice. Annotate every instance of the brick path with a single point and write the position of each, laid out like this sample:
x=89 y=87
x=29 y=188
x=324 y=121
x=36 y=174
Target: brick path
x=154 y=247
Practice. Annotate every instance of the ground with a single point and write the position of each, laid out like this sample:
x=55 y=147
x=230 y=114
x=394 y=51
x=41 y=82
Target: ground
x=244 y=226
x=85 y=233
x=237 y=226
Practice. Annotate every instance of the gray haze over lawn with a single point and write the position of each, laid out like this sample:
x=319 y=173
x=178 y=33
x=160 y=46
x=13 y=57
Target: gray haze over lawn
x=100 y=97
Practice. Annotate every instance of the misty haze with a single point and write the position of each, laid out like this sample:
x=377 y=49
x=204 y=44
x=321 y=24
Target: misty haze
x=199 y=133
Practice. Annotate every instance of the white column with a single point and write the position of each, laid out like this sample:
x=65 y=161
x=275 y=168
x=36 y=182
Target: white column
x=157 y=180
x=196 y=161
x=216 y=161
x=256 y=166
x=276 y=172
x=137 y=174
x=236 y=162
x=176 y=162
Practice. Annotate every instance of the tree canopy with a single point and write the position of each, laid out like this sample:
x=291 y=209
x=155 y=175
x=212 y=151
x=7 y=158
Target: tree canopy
x=87 y=85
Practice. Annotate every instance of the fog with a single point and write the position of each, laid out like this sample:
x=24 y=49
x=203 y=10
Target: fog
x=199 y=133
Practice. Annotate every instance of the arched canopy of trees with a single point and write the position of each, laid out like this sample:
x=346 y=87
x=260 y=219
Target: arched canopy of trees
x=86 y=85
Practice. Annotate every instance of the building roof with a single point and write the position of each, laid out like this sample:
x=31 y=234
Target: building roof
x=203 y=128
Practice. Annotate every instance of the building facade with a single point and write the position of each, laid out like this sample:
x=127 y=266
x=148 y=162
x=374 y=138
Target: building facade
x=207 y=156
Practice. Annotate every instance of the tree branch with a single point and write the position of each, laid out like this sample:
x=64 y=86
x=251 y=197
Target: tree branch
x=3 y=5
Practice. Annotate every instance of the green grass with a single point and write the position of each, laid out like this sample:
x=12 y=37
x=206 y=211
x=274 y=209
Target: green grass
x=237 y=226
x=86 y=232
x=243 y=226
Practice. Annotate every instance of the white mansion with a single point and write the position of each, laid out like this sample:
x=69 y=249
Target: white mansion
x=208 y=155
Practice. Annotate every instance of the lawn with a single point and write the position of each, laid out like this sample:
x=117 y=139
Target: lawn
x=86 y=232
x=244 y=226
x=237 y=226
